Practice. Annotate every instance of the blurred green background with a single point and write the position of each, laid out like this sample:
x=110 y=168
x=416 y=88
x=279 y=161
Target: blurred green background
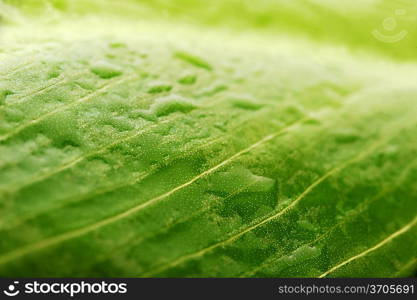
x=386 y=27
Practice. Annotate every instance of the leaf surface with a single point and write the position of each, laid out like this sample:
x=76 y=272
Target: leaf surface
x=147 y=148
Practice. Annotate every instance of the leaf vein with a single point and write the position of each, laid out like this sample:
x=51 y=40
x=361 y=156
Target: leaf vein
x=64 y=107
x=92 y=227
x=391 y=237
x=270 y=218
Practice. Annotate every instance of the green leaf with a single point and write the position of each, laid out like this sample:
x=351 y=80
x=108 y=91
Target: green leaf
x=168 y=147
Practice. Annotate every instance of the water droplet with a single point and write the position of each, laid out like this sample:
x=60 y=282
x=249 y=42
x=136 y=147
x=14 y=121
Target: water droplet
x=346 y=136
x=245 y=102
x=240 y=178
x=212 y=90
x=144 y=114
x=85 y=84
x=188 y=79
x=298 y=256
x=312 y=122
x=159 y=87
x=117 y=45
x=3 y=96
x=105 y=70
x=305 y=224
x=173 y=103
x=194 y=60
x=304 y=253
x=54 y=72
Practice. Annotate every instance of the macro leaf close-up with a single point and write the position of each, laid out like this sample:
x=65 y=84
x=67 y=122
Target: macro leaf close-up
x=221 y=138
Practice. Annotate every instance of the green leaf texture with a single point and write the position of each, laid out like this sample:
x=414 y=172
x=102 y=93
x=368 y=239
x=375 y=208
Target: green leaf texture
x=139 y=145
